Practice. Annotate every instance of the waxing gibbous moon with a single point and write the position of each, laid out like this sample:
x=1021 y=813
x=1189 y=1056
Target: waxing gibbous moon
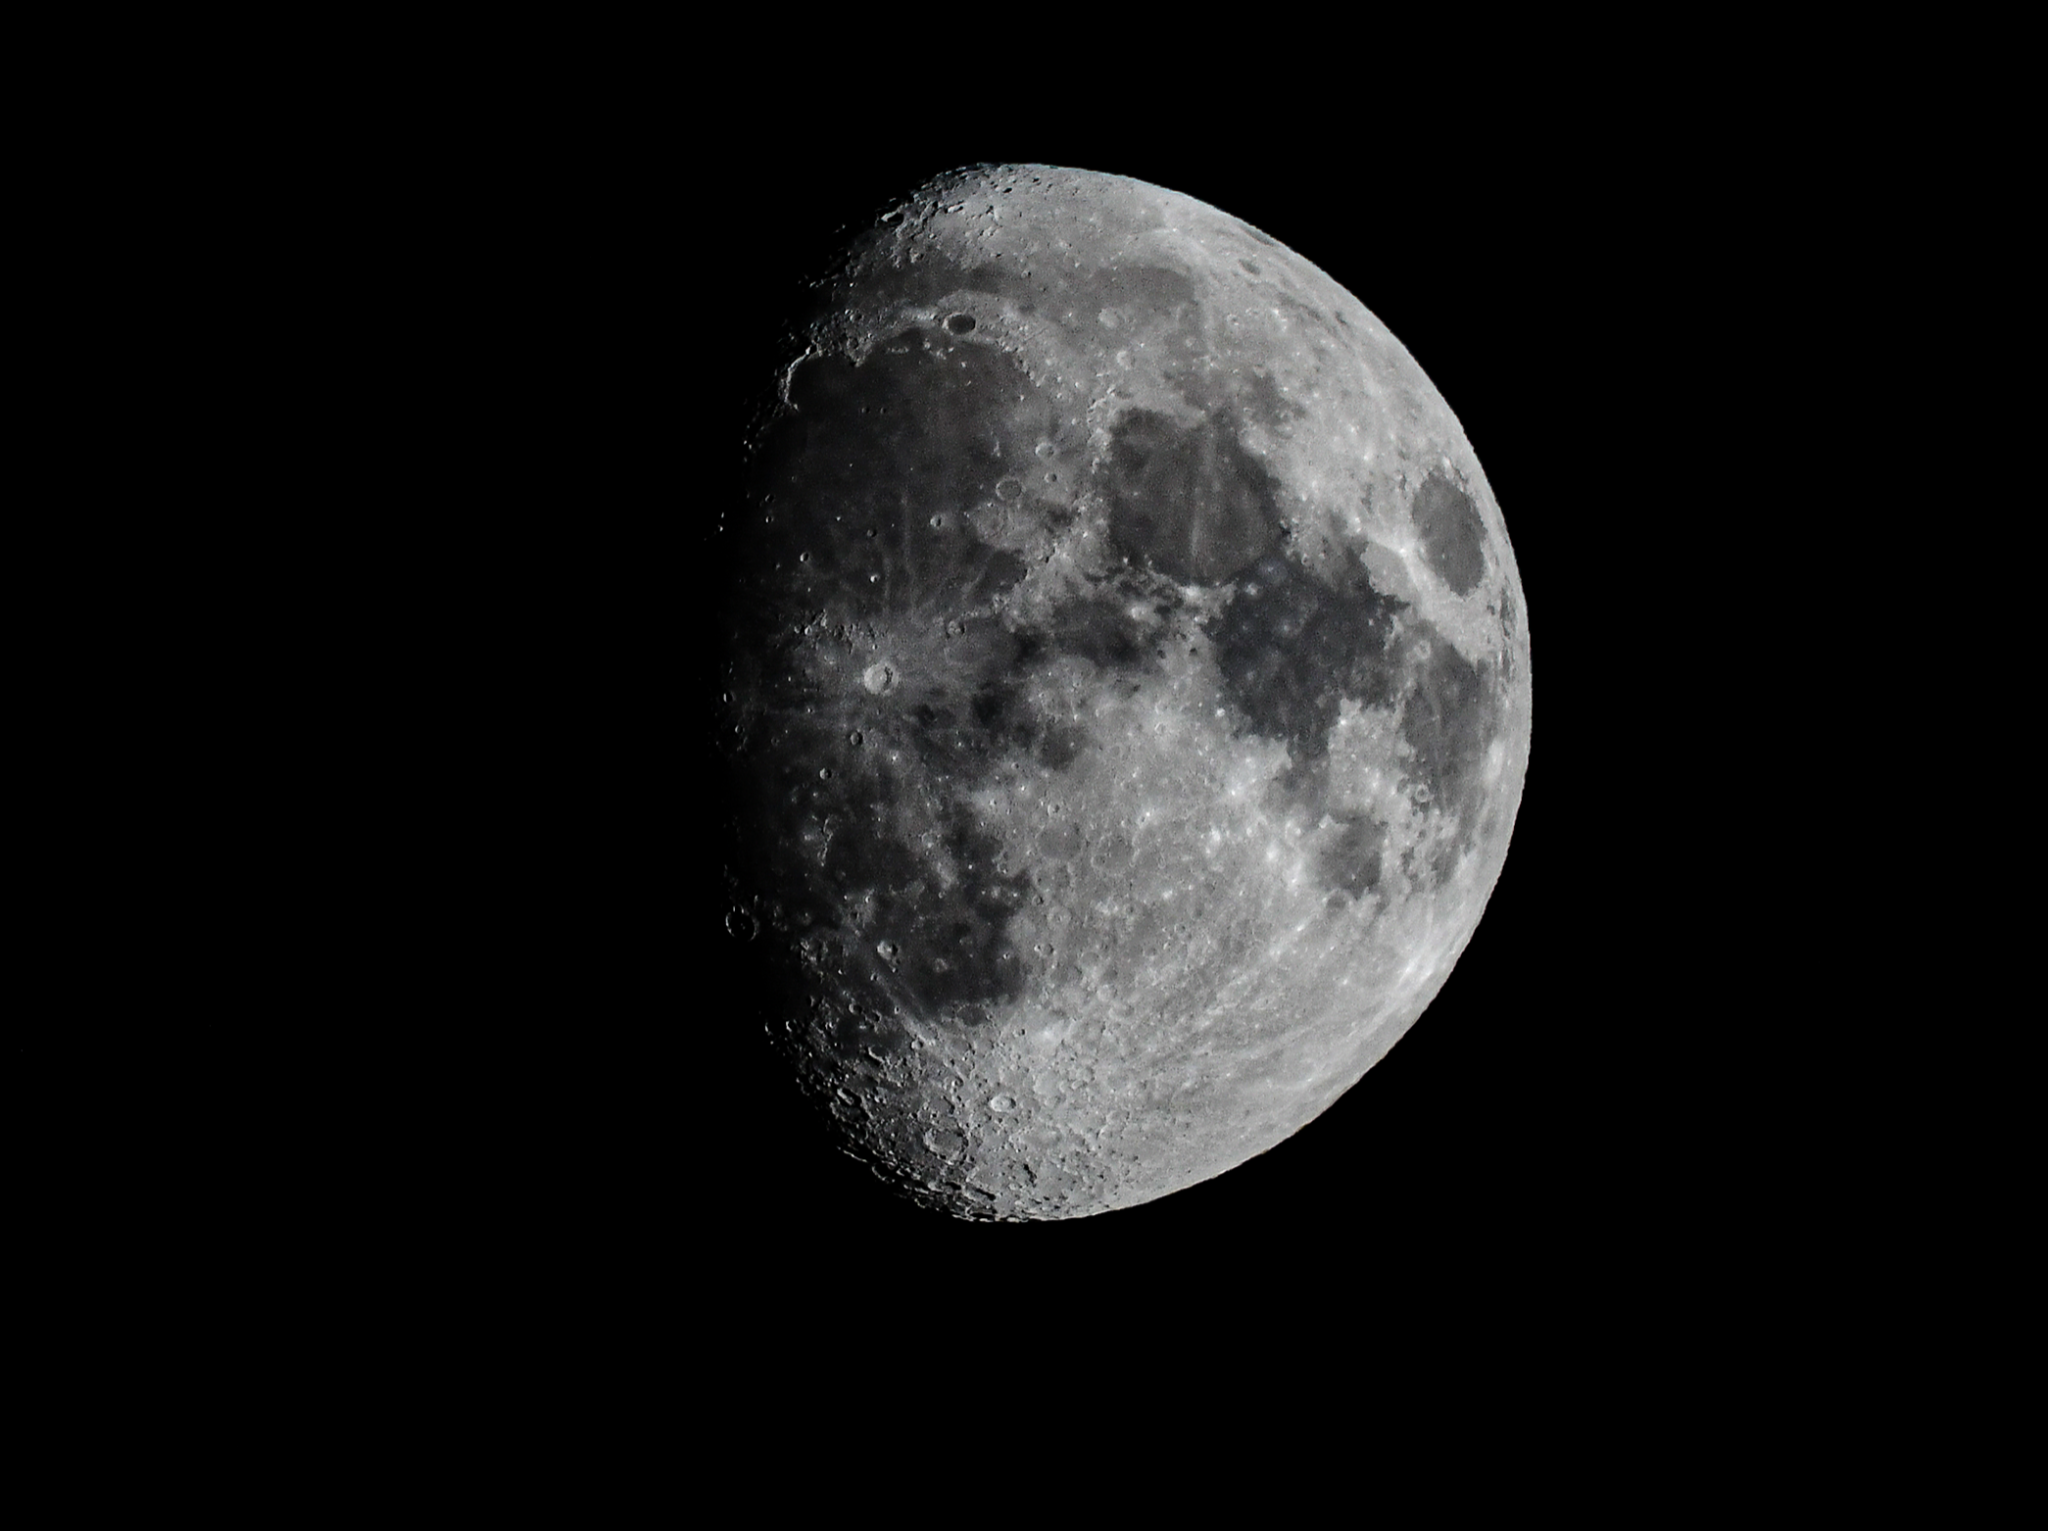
x=1126 y=689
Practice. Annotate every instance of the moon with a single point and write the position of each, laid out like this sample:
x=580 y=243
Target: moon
x=1125 y=686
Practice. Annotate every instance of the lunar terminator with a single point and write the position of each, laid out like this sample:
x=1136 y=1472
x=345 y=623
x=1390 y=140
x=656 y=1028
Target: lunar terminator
x=1127 y=691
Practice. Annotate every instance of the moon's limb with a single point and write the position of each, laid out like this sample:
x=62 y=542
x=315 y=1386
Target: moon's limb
x=1127 y=660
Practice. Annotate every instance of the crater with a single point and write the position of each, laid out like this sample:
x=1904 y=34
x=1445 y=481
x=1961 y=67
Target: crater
x=1453 y=536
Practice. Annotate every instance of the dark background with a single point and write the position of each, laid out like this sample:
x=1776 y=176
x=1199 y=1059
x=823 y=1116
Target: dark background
x=467 y=1070
x=585 y=1087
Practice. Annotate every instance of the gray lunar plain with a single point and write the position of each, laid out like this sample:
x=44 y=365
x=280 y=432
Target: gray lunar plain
x=1127 y=693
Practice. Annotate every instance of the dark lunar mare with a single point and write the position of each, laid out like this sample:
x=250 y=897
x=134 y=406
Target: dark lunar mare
x=1352 y=862
x=860 y=487
x=1453 y=536
x=897 y=903
x=1189 y=499
x=1095 y=628
x=1292 y=648
x=880 y=886
x=1452 y=714
x=863 y=481
x=1446 y=722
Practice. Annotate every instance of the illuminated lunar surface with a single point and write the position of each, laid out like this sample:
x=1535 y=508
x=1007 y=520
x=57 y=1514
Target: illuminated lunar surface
x=1127 y=693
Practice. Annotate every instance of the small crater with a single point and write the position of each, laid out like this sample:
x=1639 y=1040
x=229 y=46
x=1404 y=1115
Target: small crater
x=959 y=324
x=946 y=1142
x=1001 y=1103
